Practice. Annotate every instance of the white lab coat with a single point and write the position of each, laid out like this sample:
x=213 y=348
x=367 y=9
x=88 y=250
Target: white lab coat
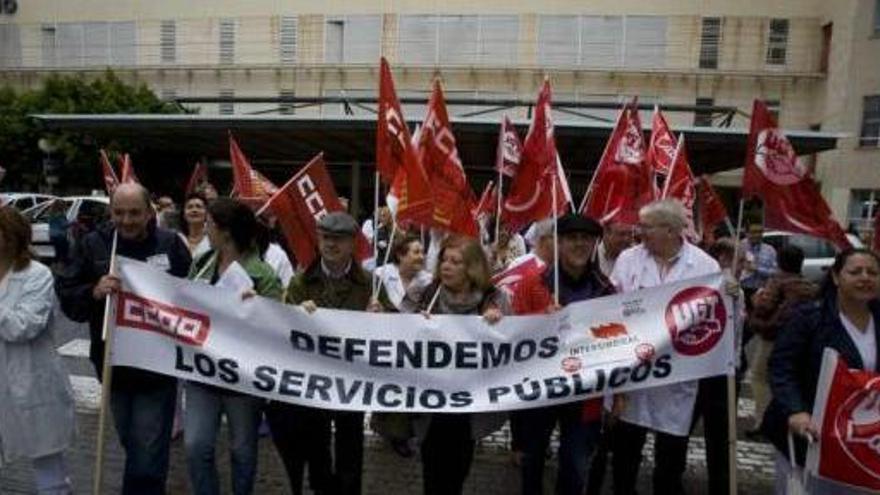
x=669 y=408
x=389 y=274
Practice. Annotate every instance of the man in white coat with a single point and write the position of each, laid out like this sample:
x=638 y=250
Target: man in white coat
x=663 y=257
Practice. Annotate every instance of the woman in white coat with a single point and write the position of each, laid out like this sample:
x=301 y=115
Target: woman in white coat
x=38 y=409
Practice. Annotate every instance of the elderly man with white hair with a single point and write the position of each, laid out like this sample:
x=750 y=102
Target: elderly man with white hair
x=663 y=257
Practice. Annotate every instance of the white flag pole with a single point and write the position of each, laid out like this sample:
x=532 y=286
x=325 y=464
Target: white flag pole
x=106 y=378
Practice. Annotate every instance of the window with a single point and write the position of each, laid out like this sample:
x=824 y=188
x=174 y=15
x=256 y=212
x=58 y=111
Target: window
x=824 y=58
x=10 y=46
x=645 y=41
x=499 y=36
x=458 y=39
x=601 y=41
x=417 y=39
x=89 y=44
x=123 y=43
x=558 y=37
x=710 y=40
x=69 y=44
x=227 y=41
x=353 y=39
x=870 y=135
x=286 y=108
x=703 y=117
x=777 y=42
x=287 y=43
x=227 y=107
x=48 y=45
x=168 y=42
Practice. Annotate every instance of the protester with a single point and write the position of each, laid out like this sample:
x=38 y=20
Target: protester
x=209 y=191
x=165 y=203
x=540 y=241
x=771 y=307
x=37 y=421
x=762 y=258
x=380 y=236
x=508 y=247
x=664 y=256
x=142 y=401
x=272 y=253
x=193 y=226
x=461 y=286
x=579 y=422
x=232 y=229
x=615 y=238
x=843 y=318
x=303 y=434
x=406 y=270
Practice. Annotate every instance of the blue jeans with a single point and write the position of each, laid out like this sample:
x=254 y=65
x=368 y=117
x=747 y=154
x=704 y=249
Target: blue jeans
x=204 y=408
x=577 y=442
x=143 y=422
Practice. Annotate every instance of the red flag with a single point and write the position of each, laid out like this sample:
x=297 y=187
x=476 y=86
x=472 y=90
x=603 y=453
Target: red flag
x=530 y=197
x=197 y=179
x=847 y=409
x=453 y=197
x=397 y=160
x=522 y=269
x=774 y=173
x=661 y=149
x=300 y=203
x=509 y=149
x=126 y=170
x=711 y=210
x=488 y=200
x=110 y=179
x=622 y=182
x=680 y=184
x=249 y=185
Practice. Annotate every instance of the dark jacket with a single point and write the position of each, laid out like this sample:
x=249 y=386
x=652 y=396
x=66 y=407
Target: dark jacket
x=352 y=291
x=772 y=304
x=89 y=262
x=796 y=361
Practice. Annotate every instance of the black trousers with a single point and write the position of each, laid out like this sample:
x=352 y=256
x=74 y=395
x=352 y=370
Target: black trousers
x=447 y=454
x=711 y=405
x=302 y=436
x=670 y=460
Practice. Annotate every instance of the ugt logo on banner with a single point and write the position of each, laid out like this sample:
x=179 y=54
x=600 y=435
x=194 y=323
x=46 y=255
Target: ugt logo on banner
x=695 y=318
x=848 y=410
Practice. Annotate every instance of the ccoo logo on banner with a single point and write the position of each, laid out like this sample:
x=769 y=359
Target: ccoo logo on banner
x=847 y=409
x=405 y=362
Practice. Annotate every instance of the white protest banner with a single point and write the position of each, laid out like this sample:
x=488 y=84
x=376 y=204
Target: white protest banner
x=408 y=363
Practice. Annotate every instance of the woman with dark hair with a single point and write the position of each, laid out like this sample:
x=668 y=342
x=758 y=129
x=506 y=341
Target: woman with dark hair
x=405 y=271
x=193 y=218
x=844 y=318
x=37 y=421
x=234 y=264
x=461 y=286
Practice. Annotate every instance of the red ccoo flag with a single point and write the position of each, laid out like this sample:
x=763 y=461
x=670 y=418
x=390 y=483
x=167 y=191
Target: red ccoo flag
x=453 y=197
x=110 y=179
x=197 y=179
x=622 y=182
x=488 y=199
x=509 y=149
x=300 y=203
x=126 y=170
x=397 y=160
x=249 y=186
x=531 y=193
x=661 y=149
x=680 y=185
x=711 y=210
x=774 y=173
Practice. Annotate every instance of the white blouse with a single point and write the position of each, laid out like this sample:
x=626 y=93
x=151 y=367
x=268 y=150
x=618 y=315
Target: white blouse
x=865 y=341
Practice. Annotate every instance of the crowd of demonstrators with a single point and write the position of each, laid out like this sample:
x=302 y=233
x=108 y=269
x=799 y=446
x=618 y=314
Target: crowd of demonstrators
x=233 y=263
x=37 y=420
x=508 y=247
x=760 y=261
x=843 y=318
x=461 y=286
x=142 y=402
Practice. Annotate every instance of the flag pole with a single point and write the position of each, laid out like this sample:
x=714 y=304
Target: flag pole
x=378 y=279
x=555 y=246
x=106 y=378
x=731 y=379
x=375 y=229
x=498 y=210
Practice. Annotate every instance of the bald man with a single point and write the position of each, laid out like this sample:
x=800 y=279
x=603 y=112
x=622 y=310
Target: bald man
x=142 y=401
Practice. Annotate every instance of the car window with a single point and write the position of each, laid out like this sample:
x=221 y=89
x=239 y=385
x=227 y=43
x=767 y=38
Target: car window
x=777 y=241
x=92 y=210
x=24 y=203
x=813 y=247
x=45 y=211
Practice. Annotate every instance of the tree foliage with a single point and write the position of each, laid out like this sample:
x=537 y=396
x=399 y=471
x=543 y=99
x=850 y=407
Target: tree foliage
x=75 y=152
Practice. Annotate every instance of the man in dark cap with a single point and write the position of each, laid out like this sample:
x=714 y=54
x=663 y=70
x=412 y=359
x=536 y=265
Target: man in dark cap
x=302 y=434
x=579 y=279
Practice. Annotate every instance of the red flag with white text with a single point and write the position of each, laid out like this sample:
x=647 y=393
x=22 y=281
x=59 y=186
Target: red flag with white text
x=488 y=201
x=248 y=185
x=453 y=197
x=681 y=185
x=521 y=269
x=126 y=170
x=109 y=176
x=531 y=193
x=197 y=179
x=509 y=149
x=623 y=181
x=773 y=172
x=661 y=148
x=847 y=413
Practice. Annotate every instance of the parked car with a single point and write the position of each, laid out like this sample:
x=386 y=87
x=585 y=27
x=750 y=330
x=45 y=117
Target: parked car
x=58 y=224
x=23 y=201
x=818 y=253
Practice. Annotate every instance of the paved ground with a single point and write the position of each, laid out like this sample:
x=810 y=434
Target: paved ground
x=384 y=472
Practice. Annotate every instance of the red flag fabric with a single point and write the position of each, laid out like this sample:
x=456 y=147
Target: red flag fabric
x=110 y=179
x=488 y=200
x=248 y=185
x=774 y=173
x=198 y=177
x=711 y=209
x=681 y=185
x=397 y=159
x=622 y=182
x=300 y=203
x=530 y=197
x=126 y=170
x=454 y=199
x=509 y=149
x=524 y=268
x=846 y=410
x=661 y=148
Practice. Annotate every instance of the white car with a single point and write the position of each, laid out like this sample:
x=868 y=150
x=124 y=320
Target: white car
x=23 y=201
x=81 y=214
x=818 y=253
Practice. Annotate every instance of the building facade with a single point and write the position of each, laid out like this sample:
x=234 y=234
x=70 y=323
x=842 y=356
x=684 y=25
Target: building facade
x=816 y=61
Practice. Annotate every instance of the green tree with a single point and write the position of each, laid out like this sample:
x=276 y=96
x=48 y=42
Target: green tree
x=76 y=153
